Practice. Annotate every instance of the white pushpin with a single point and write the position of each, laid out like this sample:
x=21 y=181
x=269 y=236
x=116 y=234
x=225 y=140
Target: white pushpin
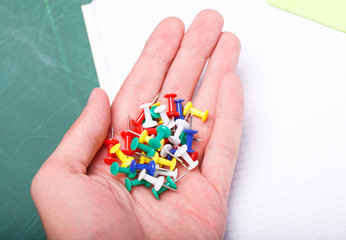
x=166 y=121
x=173 y=174
x=149 y=122
x=157 y=182
x=165 y=150
x=181 y=152
x=182 y=124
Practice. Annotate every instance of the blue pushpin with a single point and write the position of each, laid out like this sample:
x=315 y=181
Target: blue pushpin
x=189 y=139
x=179 y=107
x=150 y=167
x=169 y=157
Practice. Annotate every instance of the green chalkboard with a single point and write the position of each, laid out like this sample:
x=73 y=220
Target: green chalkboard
x=46 y=75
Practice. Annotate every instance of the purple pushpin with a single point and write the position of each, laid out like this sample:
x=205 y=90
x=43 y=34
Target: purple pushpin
x=150 y=167
x=179 y=107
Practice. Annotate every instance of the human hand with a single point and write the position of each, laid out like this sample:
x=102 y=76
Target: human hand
x=76 y=195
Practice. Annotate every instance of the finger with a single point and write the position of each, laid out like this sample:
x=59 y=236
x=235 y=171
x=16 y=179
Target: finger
x=196 y=47
x=85 y=137
x=222 y=150
x=145 y=79
x=223 y=61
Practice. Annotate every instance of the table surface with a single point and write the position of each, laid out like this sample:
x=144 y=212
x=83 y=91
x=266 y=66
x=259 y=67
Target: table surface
x=47 y=73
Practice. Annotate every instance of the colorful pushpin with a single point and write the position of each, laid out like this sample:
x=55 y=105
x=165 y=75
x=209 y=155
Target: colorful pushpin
x=141 y=116
x=127 y=138
x=181 y=125
x=109 y=143
x=149 y=122
x=179 y=107
x=135 y=144
x=172 y=113
x=152 y=110
x=157 y=159
x=150 y=167
x=193 y=155
x=189 y=138
x=115 y=169
x=135 y=182
x=126 y=161
x=172 y=174
x=182 y=152
x=195 y=111
x=157 y=182
x=162 y=132
x=151 y=131
x=165 y=150
x=170 y=183
x=144 y=138
x=175 y=157
x=165 y=120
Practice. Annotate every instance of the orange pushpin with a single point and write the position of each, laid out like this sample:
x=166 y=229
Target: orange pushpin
x=195 y=111
x=125 y=161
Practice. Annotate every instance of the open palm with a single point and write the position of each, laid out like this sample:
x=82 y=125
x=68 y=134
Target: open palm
x=76 y=195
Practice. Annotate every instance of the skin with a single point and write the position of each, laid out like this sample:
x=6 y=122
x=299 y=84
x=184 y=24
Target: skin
x=74 y=192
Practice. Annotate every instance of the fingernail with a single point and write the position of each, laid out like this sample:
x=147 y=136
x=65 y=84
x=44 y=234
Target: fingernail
x=92 y=96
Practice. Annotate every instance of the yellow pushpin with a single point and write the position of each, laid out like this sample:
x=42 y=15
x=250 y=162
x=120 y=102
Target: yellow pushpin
x=171 y=164
x=145 y=138
x=195 y=111
x=125 y=161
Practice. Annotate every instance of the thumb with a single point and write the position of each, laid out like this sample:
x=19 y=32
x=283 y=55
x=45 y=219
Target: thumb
x=86 y=135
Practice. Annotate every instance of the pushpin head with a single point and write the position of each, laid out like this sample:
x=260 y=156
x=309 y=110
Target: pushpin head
x=151 y=168
x=111 y=141
x=144 y=134
x=205 y=115
x=181 y=151
x=133 y=166
x=165 y=149
x=173 y=164
x=115 y=168
x=187 y=108
x=165 y=130
x=153 y=113
x=115 y=148
x=154 y=143
x=155 y=194
x=171 y=182
x=128 y=184
x=134 y=143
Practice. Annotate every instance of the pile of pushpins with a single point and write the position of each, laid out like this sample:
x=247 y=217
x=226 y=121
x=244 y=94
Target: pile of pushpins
x=160 y=138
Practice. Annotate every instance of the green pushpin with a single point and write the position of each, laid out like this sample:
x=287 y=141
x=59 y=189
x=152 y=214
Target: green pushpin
x=162 y=132
x=115 y=169
x=149 y=150
x=129 y=183
x=170 y=183
x=153 y=113
x=183 y=138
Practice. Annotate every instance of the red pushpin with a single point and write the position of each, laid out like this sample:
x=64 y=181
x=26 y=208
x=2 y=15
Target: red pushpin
x=194 y=155
x=109 y=143
x=139 y=120
x=128 y=138
x=172 y=113
x=140 y=129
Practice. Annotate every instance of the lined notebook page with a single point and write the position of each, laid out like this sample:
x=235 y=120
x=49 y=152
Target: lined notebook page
x=290 y=179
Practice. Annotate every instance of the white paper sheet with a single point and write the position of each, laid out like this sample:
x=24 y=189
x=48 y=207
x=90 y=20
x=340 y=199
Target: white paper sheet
x=290 y=179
